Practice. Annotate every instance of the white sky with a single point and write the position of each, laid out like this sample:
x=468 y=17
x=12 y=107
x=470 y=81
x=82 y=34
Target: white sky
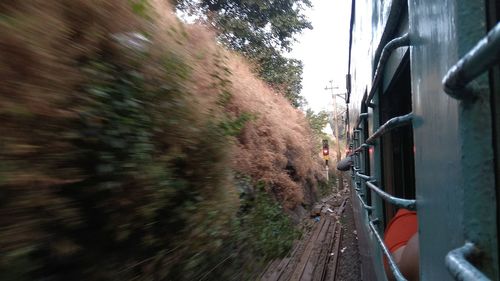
x=324 y=51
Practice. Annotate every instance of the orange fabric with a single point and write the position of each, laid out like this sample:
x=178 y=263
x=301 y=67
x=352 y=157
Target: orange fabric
x=400 y=229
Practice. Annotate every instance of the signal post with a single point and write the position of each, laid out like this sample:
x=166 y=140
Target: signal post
x=326 y=154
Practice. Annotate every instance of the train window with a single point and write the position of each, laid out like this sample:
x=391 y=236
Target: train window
x=398 y=174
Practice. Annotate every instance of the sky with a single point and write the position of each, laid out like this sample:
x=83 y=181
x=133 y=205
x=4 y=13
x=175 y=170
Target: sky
x=324 y=51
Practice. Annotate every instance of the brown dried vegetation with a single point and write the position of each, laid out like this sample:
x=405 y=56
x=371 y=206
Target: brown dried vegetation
x=123 y=143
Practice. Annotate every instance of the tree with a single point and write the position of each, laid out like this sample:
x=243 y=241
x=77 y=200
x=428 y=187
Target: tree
x=285 y=75
x=317 y=122
x=261 y=30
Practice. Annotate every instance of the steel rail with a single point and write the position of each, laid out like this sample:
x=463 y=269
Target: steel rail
x=479 y=59
x=336 y=250
x=386 y=53
x=400 y=202
x=392 y=263
x=458 y=265
x=324 y=270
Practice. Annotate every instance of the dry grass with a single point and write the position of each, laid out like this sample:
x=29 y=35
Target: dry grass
x=278 y=146
x=46 y=48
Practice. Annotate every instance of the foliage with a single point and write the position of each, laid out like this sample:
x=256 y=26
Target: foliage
x=117 y=156
x=325 y=188
x=261 y=30
x=250 y=24
x=284 y=74
x=317 y=122
x=260 y=233
x=264 y=228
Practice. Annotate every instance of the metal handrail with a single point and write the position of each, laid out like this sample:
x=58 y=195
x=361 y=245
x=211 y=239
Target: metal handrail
x=391 y=124
x=386 y=53
x=361 y=117
x=479 y=59
x=364 y=145
x=400 y=202
x=392 y=263
x=458 y=265
x=365 y=177
x=483 y=56
x=366 y=206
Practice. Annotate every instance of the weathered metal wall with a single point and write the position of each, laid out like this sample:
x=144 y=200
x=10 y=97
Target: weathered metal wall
x=455 y=178
x=453 y=160
x=436 y=137
x=370 y=19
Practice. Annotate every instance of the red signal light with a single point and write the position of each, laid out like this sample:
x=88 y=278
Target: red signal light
x=326 y=149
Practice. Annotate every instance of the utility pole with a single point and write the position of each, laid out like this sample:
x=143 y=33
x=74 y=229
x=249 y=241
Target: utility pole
x=336 y=130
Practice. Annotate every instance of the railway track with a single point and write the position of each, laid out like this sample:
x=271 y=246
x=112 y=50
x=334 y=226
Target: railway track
x=316 y=256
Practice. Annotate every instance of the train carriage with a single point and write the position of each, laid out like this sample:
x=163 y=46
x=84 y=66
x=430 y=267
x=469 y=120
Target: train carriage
x=423 y=92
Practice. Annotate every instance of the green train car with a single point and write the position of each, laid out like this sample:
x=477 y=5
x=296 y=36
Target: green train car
x=423 y=93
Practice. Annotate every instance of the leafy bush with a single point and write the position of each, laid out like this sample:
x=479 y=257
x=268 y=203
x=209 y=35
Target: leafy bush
x=264 y=227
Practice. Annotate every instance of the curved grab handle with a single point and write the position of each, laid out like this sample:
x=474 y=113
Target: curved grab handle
x=460 y=267
x=479 y=59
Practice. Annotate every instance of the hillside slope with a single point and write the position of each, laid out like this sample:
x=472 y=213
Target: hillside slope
x=133 y=146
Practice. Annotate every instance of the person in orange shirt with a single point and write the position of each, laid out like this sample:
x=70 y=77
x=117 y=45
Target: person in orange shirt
x=401 y=238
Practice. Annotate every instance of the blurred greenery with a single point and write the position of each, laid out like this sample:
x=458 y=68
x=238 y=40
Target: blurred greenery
x=144 y=185
x=109 y=167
